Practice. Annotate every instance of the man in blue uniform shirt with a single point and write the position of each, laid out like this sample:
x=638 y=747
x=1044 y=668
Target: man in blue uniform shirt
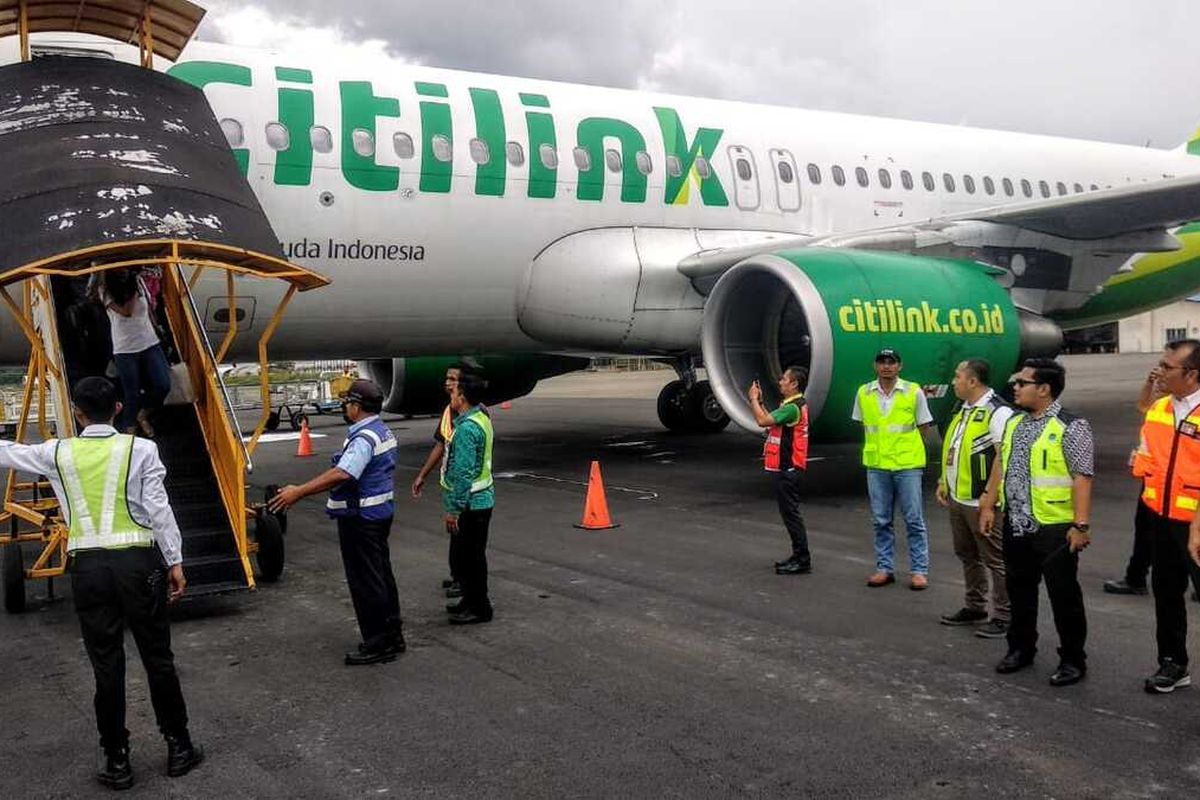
x=361 y=499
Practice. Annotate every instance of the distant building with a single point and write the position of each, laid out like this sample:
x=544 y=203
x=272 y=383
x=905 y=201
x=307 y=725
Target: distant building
x=1150 y=332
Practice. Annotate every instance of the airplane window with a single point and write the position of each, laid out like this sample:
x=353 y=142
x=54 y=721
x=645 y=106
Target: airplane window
x=860 y=175
x=906 y=179
x=885 y=179
x=1094 y=188
x=1044 y=188
x=948 y=180
x=814 y=174
x=363 y=141
x=989 y=185
x=277 y=136
x=1026 y=188
x=442 y=149
x=402 y=143
x=480 y=152
x=1062 y=187
x=969 y=184
x=1078 y=188
x=927 y=180
x=703 y=169
x=839 y=175
x=549 y=156
x=1008 y=187
x=233 y=132
x=321 y=139
x=583 y=159
x=613 y=159
x=515 y=153
x=644 y=164
x=785 y=172
x=674 y=168
x=743 y=169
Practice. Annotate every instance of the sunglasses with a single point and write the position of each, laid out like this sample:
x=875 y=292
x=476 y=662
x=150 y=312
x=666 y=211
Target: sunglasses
x=1017 y=383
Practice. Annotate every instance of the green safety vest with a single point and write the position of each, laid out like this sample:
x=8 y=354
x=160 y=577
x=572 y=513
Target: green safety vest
x=484 y=480
x=976 y=451
x=1050 y=482
x=891 y=442
x=94 y=472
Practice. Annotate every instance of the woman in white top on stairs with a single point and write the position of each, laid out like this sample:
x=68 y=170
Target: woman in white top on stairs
x=137 y=351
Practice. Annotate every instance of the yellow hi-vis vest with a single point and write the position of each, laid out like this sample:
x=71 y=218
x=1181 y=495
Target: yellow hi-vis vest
x=891 y=442
x=1050 y=482
x=94 y=472
x=483 y=480
x=968 y=476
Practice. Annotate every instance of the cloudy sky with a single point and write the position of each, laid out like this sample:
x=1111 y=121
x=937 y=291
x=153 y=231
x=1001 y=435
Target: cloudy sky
x=1114 y=70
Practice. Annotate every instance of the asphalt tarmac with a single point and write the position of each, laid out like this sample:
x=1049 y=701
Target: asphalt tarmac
x=660 y=659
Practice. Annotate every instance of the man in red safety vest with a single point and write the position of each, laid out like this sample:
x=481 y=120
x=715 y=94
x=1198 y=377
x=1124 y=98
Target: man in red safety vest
x=785 y=455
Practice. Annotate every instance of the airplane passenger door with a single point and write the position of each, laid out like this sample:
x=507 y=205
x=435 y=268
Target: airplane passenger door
x=745 y=177
x=787 y=182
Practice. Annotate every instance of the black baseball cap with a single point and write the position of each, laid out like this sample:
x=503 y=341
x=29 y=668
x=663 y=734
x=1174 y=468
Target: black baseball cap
x=366 y=394
x=887 y=354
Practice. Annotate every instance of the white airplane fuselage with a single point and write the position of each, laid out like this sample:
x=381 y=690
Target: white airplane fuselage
x=430 y=256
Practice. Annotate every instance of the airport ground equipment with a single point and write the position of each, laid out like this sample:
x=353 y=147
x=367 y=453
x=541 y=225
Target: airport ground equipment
x=114 y=166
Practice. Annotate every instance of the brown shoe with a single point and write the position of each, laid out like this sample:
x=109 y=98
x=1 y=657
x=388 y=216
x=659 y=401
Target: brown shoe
x=918 y=583
x=880 y=579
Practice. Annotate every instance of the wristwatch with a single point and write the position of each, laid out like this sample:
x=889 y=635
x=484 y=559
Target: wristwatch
x=1082 y=527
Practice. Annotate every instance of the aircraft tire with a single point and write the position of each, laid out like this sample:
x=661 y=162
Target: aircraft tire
x=673 y=407
x=14 y=579
x=272 y=421
x=704 y=412
x=269 y=535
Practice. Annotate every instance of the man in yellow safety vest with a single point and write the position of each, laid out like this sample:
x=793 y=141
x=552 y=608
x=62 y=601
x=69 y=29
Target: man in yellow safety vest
x=125 y=559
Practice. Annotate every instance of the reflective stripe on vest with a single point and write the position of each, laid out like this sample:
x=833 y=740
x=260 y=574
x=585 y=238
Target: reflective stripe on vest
x=363 y=502
x=1050 y=482
x=94 y=472
x=967 y=477
x=891 y=442
x=1168 y=461
x=484 y=480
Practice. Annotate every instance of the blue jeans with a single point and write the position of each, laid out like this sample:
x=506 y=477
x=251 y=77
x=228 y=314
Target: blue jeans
x=145 y=381
x=885 y=487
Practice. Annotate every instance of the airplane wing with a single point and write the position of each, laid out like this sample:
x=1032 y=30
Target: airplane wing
x=1126 y=219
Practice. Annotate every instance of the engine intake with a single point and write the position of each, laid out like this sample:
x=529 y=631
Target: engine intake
x=831 y=310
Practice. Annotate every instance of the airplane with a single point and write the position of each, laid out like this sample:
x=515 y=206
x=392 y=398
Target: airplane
x=531 y=223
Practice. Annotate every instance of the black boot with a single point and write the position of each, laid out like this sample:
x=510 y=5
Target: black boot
x=182 y=755
x=117 y=772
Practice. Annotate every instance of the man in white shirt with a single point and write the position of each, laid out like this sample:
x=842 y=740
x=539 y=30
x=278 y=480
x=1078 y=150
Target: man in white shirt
x=894 y=415
x=121 y=534
x=968 y=452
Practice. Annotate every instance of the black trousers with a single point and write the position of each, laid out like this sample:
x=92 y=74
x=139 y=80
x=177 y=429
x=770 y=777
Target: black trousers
x=114 y=589
x=368 y=565
x=1169 y=578
x=789 y=492
x=1145 y=523
x=1028 y=559
x=468 y=552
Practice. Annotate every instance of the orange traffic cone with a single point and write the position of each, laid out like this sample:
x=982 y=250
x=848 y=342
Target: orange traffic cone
x=595 y=509
x=304 y=449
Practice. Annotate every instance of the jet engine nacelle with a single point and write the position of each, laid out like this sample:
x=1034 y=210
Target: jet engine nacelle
x=831 y=310
x=415 y=385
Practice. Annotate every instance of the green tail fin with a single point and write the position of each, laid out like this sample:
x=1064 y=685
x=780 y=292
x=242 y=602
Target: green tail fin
x=1193 y=145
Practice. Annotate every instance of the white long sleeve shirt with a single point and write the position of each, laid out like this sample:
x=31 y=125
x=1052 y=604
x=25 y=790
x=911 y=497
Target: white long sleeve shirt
x=145 y=491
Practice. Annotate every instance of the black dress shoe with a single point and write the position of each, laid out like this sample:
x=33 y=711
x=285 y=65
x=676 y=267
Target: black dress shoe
x=117 y=772
x=380 y=655
x=454 y=590
x=456 y=608
x=394 y=644
x=1123 y=586
x=1067 y=674
x=785 y=562
x=447 y=583
x=182 y=755
x=1014 y=660
x=470 y=617
x=794 y=568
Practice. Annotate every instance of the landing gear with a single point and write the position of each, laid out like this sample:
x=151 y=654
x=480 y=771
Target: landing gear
x=688 y=405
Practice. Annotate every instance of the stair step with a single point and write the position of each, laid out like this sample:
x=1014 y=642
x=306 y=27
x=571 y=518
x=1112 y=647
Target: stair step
x=210 y=589
x=209 y=542
x=213 y=569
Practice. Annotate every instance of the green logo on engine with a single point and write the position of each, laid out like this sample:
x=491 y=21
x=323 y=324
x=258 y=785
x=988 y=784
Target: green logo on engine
x=893 y=316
